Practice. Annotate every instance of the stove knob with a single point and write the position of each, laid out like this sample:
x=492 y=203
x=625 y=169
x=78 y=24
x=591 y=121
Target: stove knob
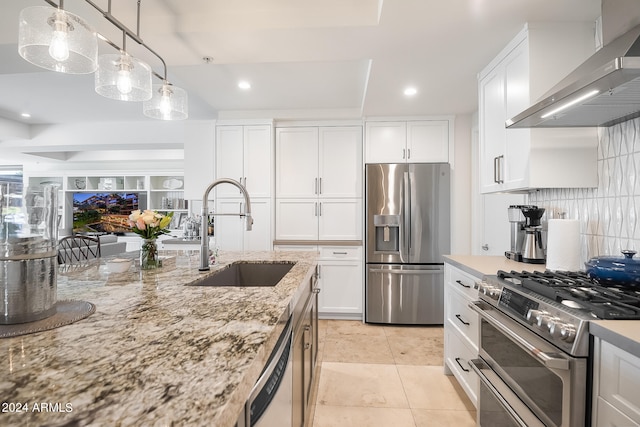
x=567 y=332
x=543 y=319
x=531 y=315
x=555 y=325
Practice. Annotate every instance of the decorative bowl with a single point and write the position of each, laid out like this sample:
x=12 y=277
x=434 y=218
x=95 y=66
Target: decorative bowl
x=119 y=265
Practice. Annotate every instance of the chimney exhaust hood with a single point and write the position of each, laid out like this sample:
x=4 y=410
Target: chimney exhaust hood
x=603 y=91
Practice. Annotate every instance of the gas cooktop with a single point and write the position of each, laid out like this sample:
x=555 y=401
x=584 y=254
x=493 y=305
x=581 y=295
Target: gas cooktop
x=577 y=291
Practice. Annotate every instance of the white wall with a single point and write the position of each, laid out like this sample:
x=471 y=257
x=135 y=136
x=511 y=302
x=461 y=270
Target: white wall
x=461 y=179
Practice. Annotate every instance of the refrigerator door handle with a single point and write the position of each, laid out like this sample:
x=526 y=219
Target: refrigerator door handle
x=405 y=243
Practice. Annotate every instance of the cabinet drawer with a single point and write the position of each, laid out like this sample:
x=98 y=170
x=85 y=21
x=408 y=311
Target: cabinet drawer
x=461 y=281
x=608 y=416
x=462 y=318
x=341 y=252
x=457 y=356
x=619 y=377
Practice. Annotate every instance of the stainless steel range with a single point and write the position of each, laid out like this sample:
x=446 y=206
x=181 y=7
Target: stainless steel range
x=534 y=345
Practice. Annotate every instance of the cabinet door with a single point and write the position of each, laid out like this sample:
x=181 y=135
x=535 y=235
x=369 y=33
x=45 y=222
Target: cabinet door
x=428 y=141
x=259 y=238
x=229 y=230
x=340 y=219
x=229 y=158
x=257 y=160
x=296 y=219
x=492 y=131
x=297 y=162
x=385 y=142
x=340 y=161
x=517 y=141
x=340 y=287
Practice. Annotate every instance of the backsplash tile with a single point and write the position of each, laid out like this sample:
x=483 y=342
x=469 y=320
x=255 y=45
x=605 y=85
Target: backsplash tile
x=609 y=215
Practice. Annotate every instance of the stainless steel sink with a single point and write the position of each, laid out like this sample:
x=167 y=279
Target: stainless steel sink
x=244 y=273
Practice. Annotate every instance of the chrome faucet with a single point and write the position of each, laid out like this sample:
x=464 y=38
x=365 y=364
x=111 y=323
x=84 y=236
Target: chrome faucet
x=204 y=243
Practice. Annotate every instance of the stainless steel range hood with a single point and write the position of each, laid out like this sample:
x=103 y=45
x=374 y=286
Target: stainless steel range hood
x=603 y=91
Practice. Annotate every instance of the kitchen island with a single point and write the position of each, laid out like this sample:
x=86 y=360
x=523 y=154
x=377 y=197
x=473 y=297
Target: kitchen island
x=156 y=351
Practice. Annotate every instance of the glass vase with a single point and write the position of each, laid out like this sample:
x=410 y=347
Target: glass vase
x=149 y=255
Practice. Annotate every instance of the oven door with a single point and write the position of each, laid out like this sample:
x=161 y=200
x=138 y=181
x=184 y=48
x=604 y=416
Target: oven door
x=527 y=375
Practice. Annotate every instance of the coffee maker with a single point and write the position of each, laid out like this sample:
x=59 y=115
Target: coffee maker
x=526 y=234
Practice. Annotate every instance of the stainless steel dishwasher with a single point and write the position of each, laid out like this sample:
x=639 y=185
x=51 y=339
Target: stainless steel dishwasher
x=270 y=401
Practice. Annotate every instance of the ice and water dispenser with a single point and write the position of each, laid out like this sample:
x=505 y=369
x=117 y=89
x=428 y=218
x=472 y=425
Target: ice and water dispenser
x=387 y=232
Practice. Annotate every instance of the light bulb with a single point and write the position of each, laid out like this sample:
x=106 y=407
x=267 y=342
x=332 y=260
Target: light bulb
x=123 y=82
x=59 y=46
x=165 y=105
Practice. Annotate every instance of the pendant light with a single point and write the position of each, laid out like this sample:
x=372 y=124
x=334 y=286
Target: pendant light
x=123 y=77
x=167 y=103
x=57 y=40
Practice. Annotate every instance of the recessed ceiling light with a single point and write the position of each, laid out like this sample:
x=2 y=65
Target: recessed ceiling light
x=25 y=115
x=244 y=85
x=410 y=91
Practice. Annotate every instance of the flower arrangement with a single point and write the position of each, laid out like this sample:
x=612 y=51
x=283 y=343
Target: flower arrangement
x=149 y=224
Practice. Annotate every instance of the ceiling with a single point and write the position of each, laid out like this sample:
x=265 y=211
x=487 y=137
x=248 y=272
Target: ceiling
x=328 y=59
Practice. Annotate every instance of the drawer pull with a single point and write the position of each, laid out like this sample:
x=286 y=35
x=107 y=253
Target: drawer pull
x=462 y=321
x=457 y=359
x=340 y=253
x=459 y=282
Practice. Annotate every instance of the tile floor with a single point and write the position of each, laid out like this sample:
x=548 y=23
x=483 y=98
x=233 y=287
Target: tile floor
x=381 y=376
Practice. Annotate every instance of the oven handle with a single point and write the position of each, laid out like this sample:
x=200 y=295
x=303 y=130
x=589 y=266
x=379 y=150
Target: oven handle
x=550 y=360
x=478 y=365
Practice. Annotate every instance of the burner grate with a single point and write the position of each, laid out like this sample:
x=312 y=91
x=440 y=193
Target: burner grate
x=611 y=302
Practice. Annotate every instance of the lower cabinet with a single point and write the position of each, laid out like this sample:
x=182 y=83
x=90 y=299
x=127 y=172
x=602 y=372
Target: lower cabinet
x=616 y=373
x=305 y=353
x=340 y=280
x=461 y=329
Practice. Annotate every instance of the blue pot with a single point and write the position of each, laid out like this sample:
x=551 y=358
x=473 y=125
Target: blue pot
x=610 y=270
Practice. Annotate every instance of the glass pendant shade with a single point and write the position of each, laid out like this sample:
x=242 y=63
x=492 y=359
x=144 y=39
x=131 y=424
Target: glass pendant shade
x=123 y=77
x=168 y=103
x=57 y=40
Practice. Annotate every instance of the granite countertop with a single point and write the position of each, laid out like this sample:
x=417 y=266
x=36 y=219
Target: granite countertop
x=155 y=352
x=479 y=265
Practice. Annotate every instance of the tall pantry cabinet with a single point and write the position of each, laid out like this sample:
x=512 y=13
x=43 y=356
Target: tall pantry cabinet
x=319 y=208
x=529 y=66
x=243 y=153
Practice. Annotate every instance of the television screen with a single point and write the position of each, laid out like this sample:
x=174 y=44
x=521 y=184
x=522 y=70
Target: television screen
x=103 y=212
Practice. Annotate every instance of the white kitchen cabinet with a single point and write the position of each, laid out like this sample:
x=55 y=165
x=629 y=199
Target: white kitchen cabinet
x=340 y=282
x=319 y=183
x=419 y=141
x=230 y=230
x=318 y=219
x=519 y=159
x=616 y=375
x=340 y=279
x=461 y=328
x=244 y=153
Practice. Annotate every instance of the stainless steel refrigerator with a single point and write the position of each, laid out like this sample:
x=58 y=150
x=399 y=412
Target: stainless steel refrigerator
x=407 y=234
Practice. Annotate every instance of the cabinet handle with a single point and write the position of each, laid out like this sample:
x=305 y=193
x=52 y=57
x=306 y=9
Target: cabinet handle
x=403 y=153
x=339 y=253
x=495 y=170
x=408 y=153
x=320 y=185
x=315 y=207
x=485 y=247
x=462 y=321
x=320 y=209
x=315 y=186
x=459 y=282
x=457 y=359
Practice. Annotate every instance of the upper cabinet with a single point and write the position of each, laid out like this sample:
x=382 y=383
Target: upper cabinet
x=521 y=159
x=319 y=183
x=419 y=141
x=243 y=153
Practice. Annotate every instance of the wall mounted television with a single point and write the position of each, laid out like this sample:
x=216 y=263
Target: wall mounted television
x=105 y=212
